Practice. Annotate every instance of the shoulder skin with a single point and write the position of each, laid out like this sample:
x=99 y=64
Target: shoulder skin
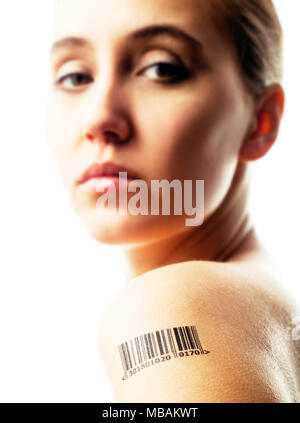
x=239 y=331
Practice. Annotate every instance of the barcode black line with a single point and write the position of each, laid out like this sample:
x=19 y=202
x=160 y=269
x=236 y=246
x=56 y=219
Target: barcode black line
x=154 y=344
x=161 y=342
x=164 y=341
x=147 y=347
x=138 y=349
x=132 y=352
x=172 y=345
x=160 y=346
x=128 y=354
x=150 y=345
x=143 y=347
x=185 y=347
x=178 y=339
x=186 y=341
x=189 y=337
x=198 y=343
x=123 y=358
x=182 y=338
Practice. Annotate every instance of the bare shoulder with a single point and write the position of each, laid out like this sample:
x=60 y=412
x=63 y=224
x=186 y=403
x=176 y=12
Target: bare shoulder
x=199 y=332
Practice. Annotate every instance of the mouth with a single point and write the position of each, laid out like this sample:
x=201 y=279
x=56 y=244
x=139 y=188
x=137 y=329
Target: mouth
x=99 y=177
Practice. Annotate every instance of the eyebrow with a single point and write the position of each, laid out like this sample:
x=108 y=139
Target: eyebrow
x=70 y=42
x=142 y=33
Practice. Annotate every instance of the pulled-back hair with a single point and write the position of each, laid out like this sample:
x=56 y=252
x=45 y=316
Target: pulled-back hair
x=255 y=30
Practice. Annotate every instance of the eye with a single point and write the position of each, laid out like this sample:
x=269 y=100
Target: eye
x=167 y=73
x=75 y=78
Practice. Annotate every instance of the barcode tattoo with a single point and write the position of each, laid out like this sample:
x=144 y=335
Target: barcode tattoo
x=156 y=347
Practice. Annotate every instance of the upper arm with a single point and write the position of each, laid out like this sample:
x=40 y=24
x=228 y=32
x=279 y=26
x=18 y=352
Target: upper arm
x=180 y=335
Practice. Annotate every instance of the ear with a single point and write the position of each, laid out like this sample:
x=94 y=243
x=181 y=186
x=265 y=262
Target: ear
x=265 y=124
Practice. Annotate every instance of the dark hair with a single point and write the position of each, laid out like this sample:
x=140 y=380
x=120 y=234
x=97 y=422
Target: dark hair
x=255 y=30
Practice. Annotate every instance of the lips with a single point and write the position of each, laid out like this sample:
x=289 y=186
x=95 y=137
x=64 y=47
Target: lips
x=107 y=169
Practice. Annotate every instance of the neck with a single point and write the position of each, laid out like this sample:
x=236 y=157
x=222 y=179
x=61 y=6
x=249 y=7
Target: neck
x=218 y=239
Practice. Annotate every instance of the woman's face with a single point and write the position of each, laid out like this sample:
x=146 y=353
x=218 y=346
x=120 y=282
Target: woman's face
x=183 y=120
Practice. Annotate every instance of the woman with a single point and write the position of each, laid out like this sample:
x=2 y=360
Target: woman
x=177 y=91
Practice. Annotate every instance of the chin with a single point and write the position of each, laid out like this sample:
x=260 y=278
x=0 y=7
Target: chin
x=115 y=229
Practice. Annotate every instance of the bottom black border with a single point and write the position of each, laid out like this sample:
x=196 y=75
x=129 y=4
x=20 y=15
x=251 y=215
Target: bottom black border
x=134 y=412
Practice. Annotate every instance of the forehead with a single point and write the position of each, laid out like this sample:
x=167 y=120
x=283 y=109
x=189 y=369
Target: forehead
x=96 y=19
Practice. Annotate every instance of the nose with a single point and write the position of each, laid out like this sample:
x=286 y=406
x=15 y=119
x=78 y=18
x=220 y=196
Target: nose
x=107 y=116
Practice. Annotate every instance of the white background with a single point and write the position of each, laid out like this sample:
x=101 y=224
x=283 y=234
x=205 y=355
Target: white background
x=54 y=279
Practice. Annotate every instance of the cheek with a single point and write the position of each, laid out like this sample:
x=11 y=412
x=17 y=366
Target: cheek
x=62 y=126
x=197 y=137
x=202 y=131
